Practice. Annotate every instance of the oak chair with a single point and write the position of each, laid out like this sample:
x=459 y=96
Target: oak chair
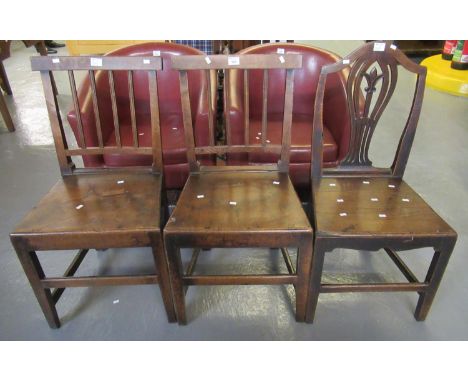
x=359 y=206
x=238 y=206
x=95 y=208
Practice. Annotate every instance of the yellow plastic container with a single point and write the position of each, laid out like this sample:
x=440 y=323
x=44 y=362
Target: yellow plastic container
x=441 y=76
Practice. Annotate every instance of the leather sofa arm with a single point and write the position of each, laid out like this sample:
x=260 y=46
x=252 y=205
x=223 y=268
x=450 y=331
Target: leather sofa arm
x=235 y=108
x=200 y=115
x=335 y=111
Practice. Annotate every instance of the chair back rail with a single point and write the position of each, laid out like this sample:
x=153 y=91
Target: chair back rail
x=46 y=65
x=245 y=63
x=376 y=63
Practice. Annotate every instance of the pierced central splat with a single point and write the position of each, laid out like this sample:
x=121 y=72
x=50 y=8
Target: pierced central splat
x=364 y=112
x=372 y=79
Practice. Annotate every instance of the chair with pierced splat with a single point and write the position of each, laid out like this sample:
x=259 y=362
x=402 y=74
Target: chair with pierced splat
x=358 y=206
x=95 y=207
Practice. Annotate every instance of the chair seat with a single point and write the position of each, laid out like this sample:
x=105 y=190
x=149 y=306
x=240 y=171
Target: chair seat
x=374 y=206
x=238 y=201
x=107 y=205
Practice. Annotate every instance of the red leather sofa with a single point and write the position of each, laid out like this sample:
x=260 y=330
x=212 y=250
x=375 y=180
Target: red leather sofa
x=172 y=132
x=336 y=118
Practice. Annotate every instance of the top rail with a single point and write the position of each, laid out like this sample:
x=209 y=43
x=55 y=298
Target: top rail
x=251 y=61
x=42 y=63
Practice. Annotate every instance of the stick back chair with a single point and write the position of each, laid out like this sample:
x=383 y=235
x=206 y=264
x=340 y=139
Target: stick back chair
x=359 y=206
x=238 y=206
x=95 y=208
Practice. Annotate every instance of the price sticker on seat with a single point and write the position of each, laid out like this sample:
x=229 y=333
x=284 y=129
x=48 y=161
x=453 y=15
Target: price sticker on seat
x=233 y=60
x=379 y=46
x=282 y=60
x=156 y=53
x=280 y=50
x=146 y=61
x=208 y=60
x=95 y=61
x=56 y=60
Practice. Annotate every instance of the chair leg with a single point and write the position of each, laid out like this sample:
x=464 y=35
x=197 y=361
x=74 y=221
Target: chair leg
x=434 y=276
x=35 y=274
x=176 y=273
x=4 y=80
x=304 y=260
x=163 y=273
x=318 y=257
x=6 y=114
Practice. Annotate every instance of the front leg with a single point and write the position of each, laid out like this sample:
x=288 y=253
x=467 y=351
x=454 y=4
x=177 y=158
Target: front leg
x=434 y=276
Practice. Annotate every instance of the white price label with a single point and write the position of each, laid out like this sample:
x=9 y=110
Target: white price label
x=379 y=46
x=233 y=60
x=146 y=61
x=207 y=59
x=156 y=53
x=95 y=61
x=55 y=60
x=345 y=62
x=282 y=60
x=280 y=50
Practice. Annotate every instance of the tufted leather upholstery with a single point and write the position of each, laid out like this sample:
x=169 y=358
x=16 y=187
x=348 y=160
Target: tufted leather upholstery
x=172 y=132
x=336 y=119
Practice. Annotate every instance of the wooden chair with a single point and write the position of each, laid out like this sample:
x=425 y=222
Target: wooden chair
x=228 y=206
x=95 y=208
x=361 y=207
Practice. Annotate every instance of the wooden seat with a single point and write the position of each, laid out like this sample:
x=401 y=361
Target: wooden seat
x=207 y=204
x=374 y=206
x=97 y=204
x=246 y=206
x=358 y=206
x=95 y=207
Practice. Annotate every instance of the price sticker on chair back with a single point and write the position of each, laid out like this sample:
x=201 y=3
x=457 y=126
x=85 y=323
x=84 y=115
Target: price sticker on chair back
x=233 y=60
x=379 y=46
x=95 y=61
